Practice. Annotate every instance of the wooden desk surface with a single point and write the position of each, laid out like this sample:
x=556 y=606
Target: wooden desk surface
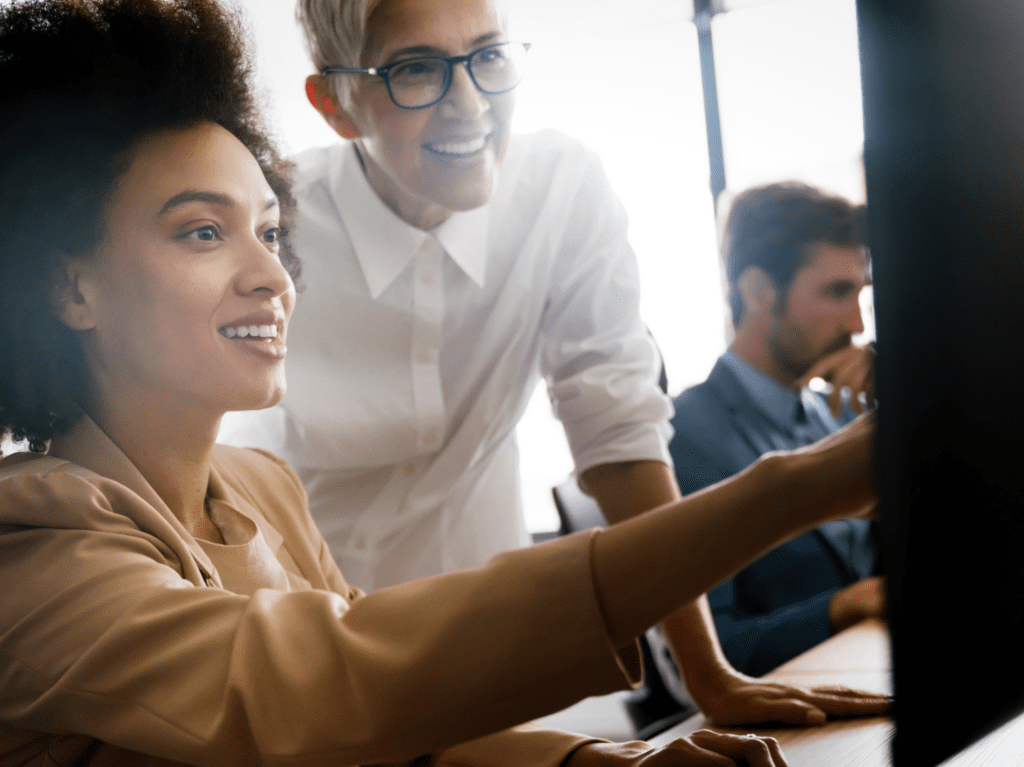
x=859 y=657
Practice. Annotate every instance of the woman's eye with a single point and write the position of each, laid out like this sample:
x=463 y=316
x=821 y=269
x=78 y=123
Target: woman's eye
x=273 y=235
x=204 y=234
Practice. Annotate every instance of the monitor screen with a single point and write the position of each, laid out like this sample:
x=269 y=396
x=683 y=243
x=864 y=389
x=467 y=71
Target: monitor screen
x=944 y=158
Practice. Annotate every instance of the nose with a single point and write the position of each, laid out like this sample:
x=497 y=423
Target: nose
x=463 y=98
x=262 y=271
x=854 y=318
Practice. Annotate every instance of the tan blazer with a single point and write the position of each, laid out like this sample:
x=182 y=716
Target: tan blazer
x=121 y=636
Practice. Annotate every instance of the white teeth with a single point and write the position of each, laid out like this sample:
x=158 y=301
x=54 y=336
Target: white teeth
x=250 y=331
x=460 y=147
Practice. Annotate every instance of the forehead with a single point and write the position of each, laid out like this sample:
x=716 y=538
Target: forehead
x=828 y=263
x=201 y=157
x=446 y=25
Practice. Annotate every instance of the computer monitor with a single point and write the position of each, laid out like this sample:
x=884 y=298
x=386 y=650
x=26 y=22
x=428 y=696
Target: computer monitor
x=944 y=157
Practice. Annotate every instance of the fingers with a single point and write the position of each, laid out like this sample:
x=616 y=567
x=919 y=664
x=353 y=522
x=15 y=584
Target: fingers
x=838 y=691
x=772 y=702
x=849 y=368
x=682 y=752
x=704 y=748
x=742 y=749
x=789 y=710
x=842 y=702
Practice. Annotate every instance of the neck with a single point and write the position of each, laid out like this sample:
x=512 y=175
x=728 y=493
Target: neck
x=171 y=452
x=752 y=347
x=413 y=211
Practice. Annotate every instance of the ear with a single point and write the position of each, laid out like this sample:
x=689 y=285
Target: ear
x=72 y=296
x=757 y=291
x=318 y=92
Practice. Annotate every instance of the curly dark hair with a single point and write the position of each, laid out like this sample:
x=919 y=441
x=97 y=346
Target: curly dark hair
x=773 y=227
x=82 y=82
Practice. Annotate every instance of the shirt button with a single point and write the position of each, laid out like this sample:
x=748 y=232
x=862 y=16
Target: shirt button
x=360 y=543
x=423 y=356
x=429 y=437
x=427 y=277
x=409 y=469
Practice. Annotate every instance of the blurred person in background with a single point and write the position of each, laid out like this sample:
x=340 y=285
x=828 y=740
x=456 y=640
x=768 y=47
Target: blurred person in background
x=796 y=263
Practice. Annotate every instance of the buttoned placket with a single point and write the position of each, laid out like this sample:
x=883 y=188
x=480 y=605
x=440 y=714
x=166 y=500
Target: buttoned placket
x=425 y=351
x=428 y=413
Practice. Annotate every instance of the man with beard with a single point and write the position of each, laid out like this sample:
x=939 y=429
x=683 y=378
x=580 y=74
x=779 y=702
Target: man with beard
x=796 y=263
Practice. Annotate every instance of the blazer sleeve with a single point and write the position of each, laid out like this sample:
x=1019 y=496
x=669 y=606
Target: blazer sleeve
x=756 y=644
x=101 y=636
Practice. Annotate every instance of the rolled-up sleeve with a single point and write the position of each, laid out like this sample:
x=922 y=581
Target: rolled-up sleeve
x=601 y=365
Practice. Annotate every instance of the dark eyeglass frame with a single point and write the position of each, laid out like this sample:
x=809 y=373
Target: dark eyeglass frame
x=449 y=61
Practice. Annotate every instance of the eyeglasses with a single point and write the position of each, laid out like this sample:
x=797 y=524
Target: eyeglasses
x=423 y=81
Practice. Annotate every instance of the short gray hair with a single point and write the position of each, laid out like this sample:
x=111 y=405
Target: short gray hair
x=335 y=32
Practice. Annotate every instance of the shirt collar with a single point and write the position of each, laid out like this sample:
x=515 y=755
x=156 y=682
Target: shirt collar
x=464 y=238
x=776 y=401
x=88 y=446
x=383 y=243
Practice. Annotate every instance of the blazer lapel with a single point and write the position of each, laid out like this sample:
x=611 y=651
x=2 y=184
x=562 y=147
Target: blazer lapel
x=746 y=417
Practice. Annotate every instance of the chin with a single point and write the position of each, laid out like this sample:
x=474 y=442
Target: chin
x=262 y=400
x=470 y=197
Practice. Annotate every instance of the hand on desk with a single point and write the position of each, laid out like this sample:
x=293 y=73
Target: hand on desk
x=702 y=749
x=852 y=367
x=745 y=700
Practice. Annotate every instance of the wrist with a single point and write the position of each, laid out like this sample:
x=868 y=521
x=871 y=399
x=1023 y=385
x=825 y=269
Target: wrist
x=828 y=480
x=710 y=681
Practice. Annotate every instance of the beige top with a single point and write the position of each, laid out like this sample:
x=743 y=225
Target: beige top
x=120 y=633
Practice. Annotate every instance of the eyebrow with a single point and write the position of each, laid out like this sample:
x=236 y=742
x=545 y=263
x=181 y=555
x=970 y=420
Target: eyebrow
x=213 y=198
x=429 y=50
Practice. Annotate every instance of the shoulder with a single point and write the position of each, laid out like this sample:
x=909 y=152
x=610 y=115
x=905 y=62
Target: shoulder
x=548 y=153
x=549 y=143
x=699 y=421
x=703 y=445
x=311 y=166
x=45 y=492
x=699 y=408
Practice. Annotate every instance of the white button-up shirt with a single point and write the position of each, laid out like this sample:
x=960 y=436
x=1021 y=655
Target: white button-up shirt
x=412 y=356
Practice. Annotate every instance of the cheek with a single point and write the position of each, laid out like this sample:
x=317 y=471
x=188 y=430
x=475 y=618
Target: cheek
x=502 y=107
x=396 y=133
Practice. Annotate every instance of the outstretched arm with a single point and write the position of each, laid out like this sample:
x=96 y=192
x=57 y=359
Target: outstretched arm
x=404 y=671
x=726 y=696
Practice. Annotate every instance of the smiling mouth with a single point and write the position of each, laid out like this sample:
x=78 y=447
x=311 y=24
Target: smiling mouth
x=268 y=332
x=457 y=148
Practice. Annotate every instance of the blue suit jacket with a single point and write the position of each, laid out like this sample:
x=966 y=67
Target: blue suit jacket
x=777 y=607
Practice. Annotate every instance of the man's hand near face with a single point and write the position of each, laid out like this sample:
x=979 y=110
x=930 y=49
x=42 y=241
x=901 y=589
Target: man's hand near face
x=852 y=367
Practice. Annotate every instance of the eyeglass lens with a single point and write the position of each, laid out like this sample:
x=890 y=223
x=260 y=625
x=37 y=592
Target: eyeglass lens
x=423 y=81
